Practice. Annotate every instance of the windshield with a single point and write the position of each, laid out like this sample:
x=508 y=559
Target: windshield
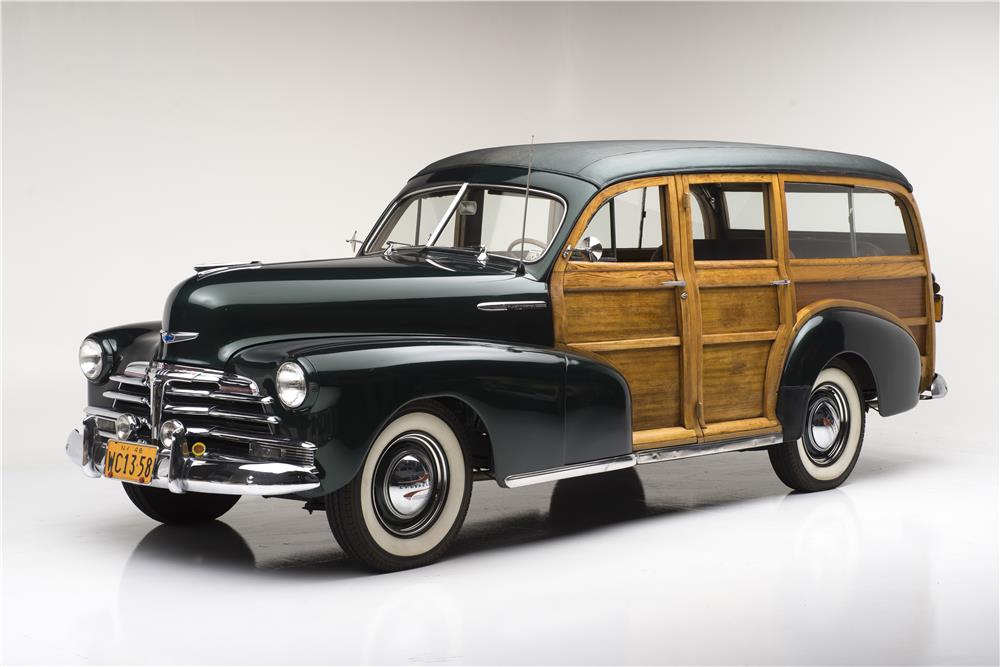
x=473 y=216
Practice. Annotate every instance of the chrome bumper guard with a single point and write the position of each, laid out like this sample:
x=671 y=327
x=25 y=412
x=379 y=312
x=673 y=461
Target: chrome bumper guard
x=179 y=472
x=938 y=389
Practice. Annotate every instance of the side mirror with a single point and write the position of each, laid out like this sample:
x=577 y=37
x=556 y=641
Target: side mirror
x=592 y=248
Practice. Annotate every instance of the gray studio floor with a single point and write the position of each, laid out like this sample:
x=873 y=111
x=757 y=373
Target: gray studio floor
x=698 y=561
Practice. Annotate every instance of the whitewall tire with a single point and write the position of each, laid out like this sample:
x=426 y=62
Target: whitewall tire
x=831 y=439
x=410 y=498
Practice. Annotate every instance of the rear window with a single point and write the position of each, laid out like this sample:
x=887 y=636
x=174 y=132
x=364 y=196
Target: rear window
x=845 y=221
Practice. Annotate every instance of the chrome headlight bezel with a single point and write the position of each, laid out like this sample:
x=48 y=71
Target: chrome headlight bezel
x=94 y=360
x=291 y=384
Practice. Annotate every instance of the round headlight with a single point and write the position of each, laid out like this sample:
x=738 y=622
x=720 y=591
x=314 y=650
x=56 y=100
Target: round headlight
x=91 y=359
x=291 y=383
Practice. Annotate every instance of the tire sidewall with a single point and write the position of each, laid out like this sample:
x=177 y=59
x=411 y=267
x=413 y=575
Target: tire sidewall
x=424 y=420
x=843 y=465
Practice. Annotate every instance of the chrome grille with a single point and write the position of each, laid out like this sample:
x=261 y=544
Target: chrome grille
x=212 y=405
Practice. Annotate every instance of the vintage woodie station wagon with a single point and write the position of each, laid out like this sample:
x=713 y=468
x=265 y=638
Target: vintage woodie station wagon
x=607 y=305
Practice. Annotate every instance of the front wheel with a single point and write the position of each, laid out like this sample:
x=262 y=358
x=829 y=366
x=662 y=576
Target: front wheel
x=410 y=498
x=831 y=437
x=178 y=508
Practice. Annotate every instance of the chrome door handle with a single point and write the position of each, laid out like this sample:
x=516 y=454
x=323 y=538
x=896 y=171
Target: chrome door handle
x=783 y=281
x=674 y=283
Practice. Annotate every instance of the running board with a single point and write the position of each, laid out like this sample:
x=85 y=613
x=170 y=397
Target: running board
x=641 y=458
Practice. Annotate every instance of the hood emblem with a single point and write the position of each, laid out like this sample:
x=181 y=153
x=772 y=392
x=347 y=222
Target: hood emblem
x=177 y=336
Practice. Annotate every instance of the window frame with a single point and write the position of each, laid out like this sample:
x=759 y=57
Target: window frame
x=775 y=245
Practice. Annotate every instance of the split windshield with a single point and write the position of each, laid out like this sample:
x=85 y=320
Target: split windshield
x=473 y=217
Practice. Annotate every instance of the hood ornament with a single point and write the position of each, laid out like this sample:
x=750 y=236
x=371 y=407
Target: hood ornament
x=177 y=336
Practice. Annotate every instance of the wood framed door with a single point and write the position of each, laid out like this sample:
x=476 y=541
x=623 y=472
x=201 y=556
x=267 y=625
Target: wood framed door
x=739 y=287
x=630 y=308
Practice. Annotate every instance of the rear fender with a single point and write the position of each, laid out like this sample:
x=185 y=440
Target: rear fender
x=877 y=338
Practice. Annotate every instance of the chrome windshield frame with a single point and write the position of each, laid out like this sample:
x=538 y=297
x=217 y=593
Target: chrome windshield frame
x=367 y=249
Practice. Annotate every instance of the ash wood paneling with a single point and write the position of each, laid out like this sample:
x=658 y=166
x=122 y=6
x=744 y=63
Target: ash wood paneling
x=733 y=380
x=620 y=314
x=920 y=336
x=735 y=309
x=652 y=375
x=903 y=297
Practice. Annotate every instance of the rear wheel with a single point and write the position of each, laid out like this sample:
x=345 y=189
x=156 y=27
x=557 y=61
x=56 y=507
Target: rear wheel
x=410 y=498
x=178 y=508
x=831 y=438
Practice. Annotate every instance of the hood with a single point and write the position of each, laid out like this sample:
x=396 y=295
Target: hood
x=405 y=293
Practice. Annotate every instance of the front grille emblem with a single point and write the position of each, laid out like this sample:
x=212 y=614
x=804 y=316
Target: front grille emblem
x=177 y=336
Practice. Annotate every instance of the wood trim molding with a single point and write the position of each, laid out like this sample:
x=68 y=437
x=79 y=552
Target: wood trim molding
x=627 y=344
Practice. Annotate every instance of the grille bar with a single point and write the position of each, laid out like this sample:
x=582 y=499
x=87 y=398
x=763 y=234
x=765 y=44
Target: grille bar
x=212 y=411
x=128 y=398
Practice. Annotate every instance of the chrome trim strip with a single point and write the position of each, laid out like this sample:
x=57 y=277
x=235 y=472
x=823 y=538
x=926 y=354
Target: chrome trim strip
x=218 y=395
x=575 y=470
x=639 y=458
x=691 y=451
x=493 y=306
x=205 y=270
x=674 y=283
x=128 y=379
x=127 y=398
x=212 y=411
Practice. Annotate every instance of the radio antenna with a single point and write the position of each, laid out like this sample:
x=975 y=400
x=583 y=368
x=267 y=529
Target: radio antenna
x=524 y=220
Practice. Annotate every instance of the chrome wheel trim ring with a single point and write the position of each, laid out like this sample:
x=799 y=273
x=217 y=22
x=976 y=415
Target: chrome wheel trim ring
x=410 y=484
x=828 y=424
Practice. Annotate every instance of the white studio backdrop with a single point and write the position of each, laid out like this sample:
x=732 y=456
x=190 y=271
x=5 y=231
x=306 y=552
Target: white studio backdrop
x=141 y=139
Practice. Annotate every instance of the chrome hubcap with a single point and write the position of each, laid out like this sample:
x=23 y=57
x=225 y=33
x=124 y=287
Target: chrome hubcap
x=827 y=425
x=410 y=484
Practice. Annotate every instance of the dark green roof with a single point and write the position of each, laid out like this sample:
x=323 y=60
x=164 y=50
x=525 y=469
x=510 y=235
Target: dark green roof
x=606 y=162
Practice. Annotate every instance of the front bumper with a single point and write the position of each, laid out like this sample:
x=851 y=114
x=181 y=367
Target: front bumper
x=178 y=471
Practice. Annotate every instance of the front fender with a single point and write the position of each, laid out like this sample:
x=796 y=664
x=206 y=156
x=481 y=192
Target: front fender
x=358 y=384
x=885 y=346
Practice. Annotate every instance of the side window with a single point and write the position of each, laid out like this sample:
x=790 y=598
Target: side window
x=843 y=221
x=629 y=228
x=729 y=221
x=879 y=224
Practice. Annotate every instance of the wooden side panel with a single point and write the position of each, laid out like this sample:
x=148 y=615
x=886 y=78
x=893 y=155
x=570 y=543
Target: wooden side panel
x=652 y=376
x=903 y=297
x=602 y=306
x=733 y=379
x=727 y=310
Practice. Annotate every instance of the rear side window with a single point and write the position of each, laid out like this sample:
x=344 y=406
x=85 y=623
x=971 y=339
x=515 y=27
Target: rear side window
x=729 y=221
x=844 y=221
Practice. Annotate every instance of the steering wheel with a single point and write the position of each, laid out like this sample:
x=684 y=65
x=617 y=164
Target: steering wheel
x=517 y=242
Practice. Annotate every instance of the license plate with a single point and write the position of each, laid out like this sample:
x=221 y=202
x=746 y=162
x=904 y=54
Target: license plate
x=129 y=461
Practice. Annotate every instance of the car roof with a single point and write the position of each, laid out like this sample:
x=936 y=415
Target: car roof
x=605 y=162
